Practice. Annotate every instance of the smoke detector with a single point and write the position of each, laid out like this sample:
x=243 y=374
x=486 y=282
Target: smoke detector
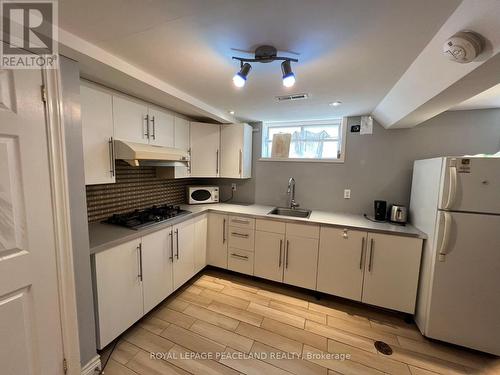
x=463 y=47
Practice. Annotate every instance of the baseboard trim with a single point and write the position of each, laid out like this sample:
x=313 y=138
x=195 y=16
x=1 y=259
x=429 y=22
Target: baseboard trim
x=92 y=367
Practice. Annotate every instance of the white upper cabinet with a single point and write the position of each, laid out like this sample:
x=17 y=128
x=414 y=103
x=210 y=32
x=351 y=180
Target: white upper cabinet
x=161 y=127
x=130 y=118
x=236 y=151
x=181 y=133
x=97 y=132
x=205 y=149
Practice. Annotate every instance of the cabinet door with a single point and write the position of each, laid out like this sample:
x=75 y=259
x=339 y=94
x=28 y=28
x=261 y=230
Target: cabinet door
x=200 y=243
x=269 y=251
x=119 y=290
x=156 y=267
x=231 y=145
x=301 y=261
x=217 y=240
x=181 y=133
x=97 y=132
x=161 y=128
x=205 y=155
x=391 y=271
x=341 y=262
x=130 y=120
x=183 y=253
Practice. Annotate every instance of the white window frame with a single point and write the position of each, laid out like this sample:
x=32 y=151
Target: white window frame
x=342 y=133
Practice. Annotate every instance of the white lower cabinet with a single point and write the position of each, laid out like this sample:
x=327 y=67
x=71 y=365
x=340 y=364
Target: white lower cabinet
x=341 y=262
x=200 y=242
x=301 y=261
x=391 y=271
x=217 y=240
x=183 y=252
x=269 y=255
x=241 y=261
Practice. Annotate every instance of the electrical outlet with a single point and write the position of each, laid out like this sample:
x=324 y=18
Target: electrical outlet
x=233 y=187
x=347 y=194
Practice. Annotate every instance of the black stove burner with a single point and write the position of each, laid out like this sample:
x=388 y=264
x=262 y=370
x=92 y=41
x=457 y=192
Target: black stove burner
x=141 y=218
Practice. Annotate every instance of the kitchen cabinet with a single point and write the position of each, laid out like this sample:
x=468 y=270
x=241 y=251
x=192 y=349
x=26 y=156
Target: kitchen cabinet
x=300 y=261
x=391 y=271
x=236 y=151
x=184 y=254
x=161 y=127
x=181 y=133
x=118 y=290
x=268 y=258
x=200 y=242
x=341 y=262
x=217 y=240
x=157 y=276
x=97 y=134
x=205 y=149
x=130 y=119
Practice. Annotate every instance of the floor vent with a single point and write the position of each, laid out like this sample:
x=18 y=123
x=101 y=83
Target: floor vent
x=285 y=98
x=383 y=348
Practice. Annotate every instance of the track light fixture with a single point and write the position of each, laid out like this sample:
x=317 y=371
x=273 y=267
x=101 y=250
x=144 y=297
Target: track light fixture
x=265 y=54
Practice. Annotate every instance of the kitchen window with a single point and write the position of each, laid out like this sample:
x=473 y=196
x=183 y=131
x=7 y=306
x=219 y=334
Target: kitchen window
x=320 y=141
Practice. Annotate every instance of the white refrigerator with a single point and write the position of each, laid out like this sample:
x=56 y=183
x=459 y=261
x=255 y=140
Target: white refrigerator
x=456 y=202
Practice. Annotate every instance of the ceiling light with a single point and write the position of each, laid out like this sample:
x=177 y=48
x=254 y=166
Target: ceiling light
x=232 y=112
x=336 y=104
x=240 y=78
x=288 y=76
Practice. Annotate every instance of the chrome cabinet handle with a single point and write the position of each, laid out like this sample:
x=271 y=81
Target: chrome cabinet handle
x=224 y=231
x=217 y=163
x=189 y=161
x=171 y=246
x=370 y=264
x=239 y=235
x=139 y=249
x=239 y=256
x=111 y=148
x=240 y=221
x=279 y=259
x=361 y=255
x=286 y=253
x=240 y=162
x=146 y=134
x=154 y=128
x=177 y=243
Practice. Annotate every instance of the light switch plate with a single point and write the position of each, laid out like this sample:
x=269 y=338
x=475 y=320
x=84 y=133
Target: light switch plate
x=347 y=194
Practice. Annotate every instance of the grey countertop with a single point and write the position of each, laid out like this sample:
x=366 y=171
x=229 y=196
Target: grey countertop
x=104 y=236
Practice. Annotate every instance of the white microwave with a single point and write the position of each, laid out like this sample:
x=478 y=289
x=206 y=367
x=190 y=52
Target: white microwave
x=202 y=194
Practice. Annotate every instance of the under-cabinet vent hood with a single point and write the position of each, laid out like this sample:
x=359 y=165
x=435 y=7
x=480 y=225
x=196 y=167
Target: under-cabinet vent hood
x=138 y=154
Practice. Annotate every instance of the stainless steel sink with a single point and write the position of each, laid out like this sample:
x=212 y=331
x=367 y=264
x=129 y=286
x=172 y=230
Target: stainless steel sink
x=293 y=212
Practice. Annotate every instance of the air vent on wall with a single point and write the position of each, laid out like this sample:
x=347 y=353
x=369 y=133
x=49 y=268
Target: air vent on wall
x=285 y=98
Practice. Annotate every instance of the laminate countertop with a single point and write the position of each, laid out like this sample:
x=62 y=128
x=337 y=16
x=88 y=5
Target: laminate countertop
x=104 y=236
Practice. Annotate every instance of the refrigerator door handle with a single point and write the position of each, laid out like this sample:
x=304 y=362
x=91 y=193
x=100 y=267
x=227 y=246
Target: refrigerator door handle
x=443 y=248
x=452 y=185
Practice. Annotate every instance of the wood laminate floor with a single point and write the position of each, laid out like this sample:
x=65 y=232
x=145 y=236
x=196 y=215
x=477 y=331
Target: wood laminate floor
x=221 y=323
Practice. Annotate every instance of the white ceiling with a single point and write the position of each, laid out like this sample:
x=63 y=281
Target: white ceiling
x=350 y=50
x=487 y=99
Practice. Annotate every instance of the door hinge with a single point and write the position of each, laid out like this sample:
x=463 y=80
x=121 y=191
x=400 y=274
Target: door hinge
x=44 y=93
x=65 y=366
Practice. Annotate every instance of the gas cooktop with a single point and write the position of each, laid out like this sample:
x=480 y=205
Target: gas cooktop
x=149 y=216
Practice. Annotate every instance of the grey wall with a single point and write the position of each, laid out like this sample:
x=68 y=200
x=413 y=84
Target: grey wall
x=377 y=166
x=70 y=77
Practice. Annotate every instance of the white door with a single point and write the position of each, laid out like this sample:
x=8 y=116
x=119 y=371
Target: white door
x=205 y=154
x=181 y=133
x=157 y=259
x=268 y=259
x=200 y=243
x=119 y=290
x=301 y=261
x=465 y=290
x=161 y=128
x=183 y=253
x=231 y=141
x=30 y=323
x=472 y=185
x=217 y=240
x=130 y=119
x=391 y=271
x=341 y=262
x=97 y=134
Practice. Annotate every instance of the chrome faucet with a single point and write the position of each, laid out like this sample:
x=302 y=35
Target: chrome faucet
x=291 y=191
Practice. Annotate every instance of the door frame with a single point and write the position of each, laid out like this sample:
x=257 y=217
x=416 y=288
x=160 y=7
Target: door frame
x=61 y=211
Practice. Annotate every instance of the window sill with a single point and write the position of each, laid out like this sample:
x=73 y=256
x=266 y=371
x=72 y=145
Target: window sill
x=335 y=161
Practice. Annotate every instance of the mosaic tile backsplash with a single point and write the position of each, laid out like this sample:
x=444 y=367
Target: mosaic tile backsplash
x=135 y=188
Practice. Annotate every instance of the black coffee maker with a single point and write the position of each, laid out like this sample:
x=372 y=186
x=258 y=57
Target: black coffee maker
x=380 y=210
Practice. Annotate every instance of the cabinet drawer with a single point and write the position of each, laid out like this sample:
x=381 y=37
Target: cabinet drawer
x=302 y=230
x=272 y=226
x=240 y=261
x=242 y=222
x=241 y=238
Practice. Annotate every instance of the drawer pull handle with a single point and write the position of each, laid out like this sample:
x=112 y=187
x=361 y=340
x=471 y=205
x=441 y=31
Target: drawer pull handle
x=240 y=221
x=286 y=253
x=370 y=262
x=239 y=256
x=281 y=248
x=361 y=255
x=239 y=234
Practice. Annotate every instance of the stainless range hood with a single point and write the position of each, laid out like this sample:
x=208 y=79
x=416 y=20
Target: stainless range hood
x=139 y=154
